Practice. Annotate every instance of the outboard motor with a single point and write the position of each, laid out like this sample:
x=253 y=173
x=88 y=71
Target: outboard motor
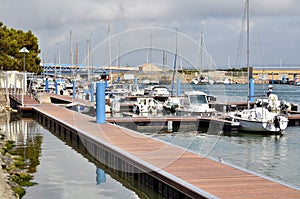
x=277 y=122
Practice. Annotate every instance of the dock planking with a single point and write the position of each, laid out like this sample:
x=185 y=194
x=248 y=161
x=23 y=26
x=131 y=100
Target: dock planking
x=27 y=100
x=16 y=102
x=199 y=175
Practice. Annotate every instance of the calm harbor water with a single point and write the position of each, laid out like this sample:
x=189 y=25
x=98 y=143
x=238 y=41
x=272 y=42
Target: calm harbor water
x=59 y=170
x=62 y=172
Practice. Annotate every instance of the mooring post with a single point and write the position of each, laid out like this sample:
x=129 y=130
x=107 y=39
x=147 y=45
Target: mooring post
x=135 y=80
x=251 y=87
x=178 y=87
x=56 y=88
x=74 y=89
x=100 y=102
x=170 y=126
x=47 y=85
x=92 y=92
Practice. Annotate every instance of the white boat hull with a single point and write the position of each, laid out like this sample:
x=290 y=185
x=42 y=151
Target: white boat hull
x=260 y=120
x=263 y=126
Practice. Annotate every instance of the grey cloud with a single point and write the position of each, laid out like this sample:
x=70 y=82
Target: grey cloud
x=52 y=20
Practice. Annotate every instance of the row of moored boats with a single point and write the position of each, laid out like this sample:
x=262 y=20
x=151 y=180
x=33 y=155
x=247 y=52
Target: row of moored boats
x=266 y=116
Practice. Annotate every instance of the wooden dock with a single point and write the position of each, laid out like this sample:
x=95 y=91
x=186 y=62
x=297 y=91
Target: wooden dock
x=173 y=171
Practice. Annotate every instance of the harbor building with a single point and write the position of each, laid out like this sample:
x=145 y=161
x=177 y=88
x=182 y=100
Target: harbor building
x=261 y=74
x=150 y=68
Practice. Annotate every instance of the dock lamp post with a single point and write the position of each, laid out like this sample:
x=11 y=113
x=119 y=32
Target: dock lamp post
x=24 y=51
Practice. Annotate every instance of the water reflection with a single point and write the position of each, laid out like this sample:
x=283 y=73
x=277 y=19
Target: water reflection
x=61 y=171
x=27 y=137
x=101 y=176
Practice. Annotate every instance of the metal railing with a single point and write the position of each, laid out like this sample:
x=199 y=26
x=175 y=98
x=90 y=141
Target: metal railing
x=16 y=93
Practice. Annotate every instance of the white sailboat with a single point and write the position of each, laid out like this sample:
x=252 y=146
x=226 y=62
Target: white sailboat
x=201 y=79
x=258 y=119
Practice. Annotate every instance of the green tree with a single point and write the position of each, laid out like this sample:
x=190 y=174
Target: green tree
x=11 y=41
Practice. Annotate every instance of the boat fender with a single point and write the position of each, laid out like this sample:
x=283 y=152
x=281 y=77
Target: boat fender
x=150 y=109
x=173 y=109
x=137 y=111
x=142 y=108
x=270 y=123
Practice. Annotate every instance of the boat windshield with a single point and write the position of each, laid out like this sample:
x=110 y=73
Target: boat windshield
x=117 y=86
x=198 y=99
x=134 y=87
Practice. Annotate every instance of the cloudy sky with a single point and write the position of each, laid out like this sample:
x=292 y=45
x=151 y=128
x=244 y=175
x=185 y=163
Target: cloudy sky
x=275 y=28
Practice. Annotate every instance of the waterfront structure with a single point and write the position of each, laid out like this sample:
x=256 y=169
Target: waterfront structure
x=276 y=73
x=150 y=68
x=155 y=163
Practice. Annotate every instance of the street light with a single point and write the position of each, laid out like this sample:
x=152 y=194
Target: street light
x=24 y=51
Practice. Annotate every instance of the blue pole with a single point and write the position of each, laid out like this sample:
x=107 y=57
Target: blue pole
x=251 y=87
x=56 y=88
x=100 y=102
x=47 y=85
x=178 y=87
x=74 y=90
x=284 y=79
x=135 y=80
x=92 y=92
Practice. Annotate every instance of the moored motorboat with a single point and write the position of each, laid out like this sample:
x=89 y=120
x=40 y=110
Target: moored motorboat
x=195 y=103
x=147 y=105
x=260 y=120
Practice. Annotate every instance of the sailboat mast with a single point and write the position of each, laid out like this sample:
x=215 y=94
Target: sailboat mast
x=164 y=61
x=71 y=49
x=201 y=56
x=109 y=53
x=150 y=53
x=88 y=59
x=175 y=63
x=201 y=49
x=248 y=52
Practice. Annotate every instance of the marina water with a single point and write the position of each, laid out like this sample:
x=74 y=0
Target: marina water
x=61 y=171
